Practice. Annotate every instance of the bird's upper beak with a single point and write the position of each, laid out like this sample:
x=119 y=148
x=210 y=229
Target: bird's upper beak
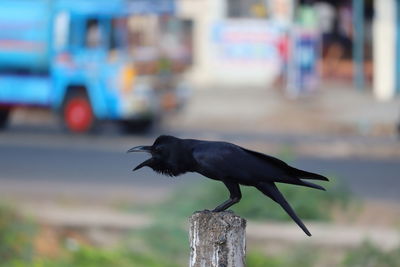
x=140 y=149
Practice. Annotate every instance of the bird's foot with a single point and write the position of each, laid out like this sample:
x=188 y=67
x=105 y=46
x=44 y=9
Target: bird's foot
x=221 y=210
x=217 y=210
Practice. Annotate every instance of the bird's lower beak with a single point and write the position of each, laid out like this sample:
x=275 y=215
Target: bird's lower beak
x=140 y=149
x=143 y=164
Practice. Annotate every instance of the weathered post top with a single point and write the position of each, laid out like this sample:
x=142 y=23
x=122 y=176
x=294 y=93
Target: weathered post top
x=217 y=239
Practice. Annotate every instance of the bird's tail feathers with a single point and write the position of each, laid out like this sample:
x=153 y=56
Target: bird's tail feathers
x=307 y=175
x=270 y=190
x=297 y=181
x=312 y=185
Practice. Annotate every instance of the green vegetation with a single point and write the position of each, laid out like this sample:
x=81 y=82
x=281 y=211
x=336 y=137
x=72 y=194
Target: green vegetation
x=159 y=245
x=370 y=255
x=301 y=256
x=16 y=236
x=166 y=240
x=95 y=257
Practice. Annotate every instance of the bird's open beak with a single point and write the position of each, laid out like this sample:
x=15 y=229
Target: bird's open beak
x=140 y=149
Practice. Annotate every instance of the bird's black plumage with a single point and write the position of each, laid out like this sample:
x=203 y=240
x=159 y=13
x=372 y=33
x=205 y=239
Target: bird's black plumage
x=230 y=164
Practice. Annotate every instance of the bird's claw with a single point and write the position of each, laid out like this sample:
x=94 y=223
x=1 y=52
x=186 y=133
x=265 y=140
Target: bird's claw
x=207 y=210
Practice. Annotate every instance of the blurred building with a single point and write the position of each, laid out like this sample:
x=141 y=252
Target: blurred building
x=234 y=42
x=248 y=42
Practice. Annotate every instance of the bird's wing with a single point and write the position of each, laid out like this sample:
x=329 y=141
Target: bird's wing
x=226 y=161
x=289 y=169
x=217 y=160
x=270 y=159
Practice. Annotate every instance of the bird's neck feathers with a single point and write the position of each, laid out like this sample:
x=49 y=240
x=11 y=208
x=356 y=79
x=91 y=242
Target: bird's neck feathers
x=178 y=161
x=165 y=171
x=177 y=168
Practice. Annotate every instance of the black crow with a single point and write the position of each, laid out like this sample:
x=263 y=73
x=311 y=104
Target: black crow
x=230 y=164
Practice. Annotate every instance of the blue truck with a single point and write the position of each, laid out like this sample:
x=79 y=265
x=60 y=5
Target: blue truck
x=71 y=56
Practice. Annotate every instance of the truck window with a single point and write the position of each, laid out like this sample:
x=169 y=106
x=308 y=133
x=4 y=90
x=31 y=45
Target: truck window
x=118 y=37
x=61 y=31
x=93 y=34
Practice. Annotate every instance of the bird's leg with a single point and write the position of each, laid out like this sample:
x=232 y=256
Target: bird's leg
x=235 y=196
x=225 y=205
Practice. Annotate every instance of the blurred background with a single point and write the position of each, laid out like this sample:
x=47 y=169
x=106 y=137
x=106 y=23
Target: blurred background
x=314 y=83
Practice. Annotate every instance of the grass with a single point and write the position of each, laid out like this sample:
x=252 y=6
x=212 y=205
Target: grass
x=369 y=255
x=16 y=236
x=300 y=256
x=163 y=244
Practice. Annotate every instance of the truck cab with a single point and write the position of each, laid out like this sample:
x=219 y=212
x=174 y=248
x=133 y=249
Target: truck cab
x=80 y=65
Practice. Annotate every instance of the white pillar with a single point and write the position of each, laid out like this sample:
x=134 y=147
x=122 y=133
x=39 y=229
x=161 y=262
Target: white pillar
x=203 y=13
x=384 y=49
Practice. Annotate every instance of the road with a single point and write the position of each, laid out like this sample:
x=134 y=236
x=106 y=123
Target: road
x=42 y=165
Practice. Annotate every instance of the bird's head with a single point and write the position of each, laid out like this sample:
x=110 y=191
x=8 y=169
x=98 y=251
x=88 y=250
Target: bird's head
x=167 y=156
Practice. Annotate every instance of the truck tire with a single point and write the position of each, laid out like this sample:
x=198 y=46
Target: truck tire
x=77 y=113
x=4 y=116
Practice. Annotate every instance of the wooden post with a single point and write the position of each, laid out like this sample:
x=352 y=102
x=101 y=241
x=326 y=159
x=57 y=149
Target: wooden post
x=217 y=239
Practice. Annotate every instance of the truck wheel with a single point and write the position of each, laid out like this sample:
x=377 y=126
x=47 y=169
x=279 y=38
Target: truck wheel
x=4 y=115
x=78 y=114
